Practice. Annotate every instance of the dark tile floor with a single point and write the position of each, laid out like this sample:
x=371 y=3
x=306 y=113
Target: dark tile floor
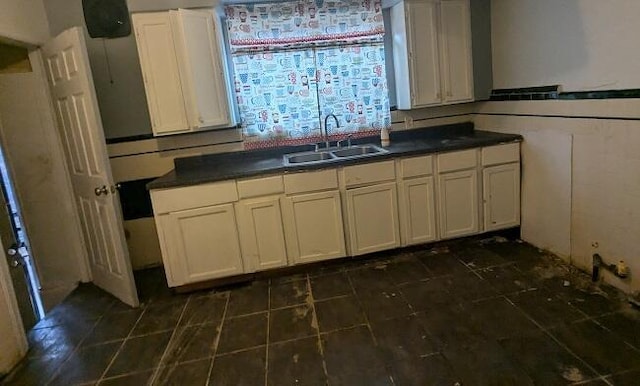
x=469 y=312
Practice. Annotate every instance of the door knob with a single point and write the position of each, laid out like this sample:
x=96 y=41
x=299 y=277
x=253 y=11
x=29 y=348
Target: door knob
x=12 y=251
x=101 y=190
x=115 y=187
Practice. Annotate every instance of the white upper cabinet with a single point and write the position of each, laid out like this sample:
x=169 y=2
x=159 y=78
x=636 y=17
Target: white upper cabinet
x=415 y=53
x=185 y=78
x=159 y=62
x=432 y=52
x=455 y=37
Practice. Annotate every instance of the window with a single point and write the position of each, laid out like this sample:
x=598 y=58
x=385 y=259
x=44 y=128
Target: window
x=297 y=63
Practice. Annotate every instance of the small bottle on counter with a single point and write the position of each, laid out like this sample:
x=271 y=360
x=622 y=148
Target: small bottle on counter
x=384 y=137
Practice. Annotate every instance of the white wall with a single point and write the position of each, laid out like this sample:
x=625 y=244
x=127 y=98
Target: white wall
x=580 y=158
x=24 y=21
x=580 y=180
x=579 y=44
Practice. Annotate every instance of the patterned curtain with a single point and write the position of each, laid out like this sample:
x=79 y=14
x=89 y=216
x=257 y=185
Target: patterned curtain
x=296 y=63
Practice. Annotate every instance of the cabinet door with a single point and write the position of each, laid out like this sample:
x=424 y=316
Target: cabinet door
x=261 y=233
x=501 y=191
x=313 y=224
x=160 y=73
x=458 y=203
x=424 y=62
x=373 y=218
x=418 y=211
x=205 y=87
x=456 y=59
x=203 y=244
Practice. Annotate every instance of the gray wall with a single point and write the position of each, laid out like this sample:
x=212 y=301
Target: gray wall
x=481 y=46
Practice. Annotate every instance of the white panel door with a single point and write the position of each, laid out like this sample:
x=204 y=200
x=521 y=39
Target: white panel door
x=82 y=135
x=458 y=203
x=424 y=58
x=203 y=244
x=261 y=233
x=501 y=191
x=457 y=69
x=313 y=224
x=373 y=218
x=160 y=72
x=418 y=211
x=205 y=87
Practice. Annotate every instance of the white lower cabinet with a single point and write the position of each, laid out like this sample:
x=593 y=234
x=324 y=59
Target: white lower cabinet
x=313 y=226
x=501 y=192
x=373 y=218
x=418 y=210
x=261 y=233
x=201 y=244
x=458 y=203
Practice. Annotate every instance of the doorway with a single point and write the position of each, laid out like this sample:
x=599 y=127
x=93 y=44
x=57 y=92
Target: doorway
x=21 y=266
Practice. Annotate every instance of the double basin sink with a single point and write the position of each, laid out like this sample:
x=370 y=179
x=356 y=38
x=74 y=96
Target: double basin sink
x=331 y=155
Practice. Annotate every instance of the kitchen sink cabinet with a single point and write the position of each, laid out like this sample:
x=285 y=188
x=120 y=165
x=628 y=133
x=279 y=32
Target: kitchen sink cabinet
x=432 y=52
x=261 y=233
x=370 y=195
x=373 y=218
x=184 y=76
x=313 y=226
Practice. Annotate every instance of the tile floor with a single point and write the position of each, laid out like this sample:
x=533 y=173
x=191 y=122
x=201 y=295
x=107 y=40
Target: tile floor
x=468 y=312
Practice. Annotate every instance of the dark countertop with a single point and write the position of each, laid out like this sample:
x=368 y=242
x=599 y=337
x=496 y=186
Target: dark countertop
x=227 y=166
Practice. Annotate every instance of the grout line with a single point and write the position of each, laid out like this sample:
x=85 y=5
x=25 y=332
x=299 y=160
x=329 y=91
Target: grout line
x=246 y=315
x=331 y=298
x=266 y=348
x=343 y=329
x=366 y=318
x=113 y=359
x=555 y=339
x=75 y=350
x=312 y=302
x=170 y=344
x=217 y=341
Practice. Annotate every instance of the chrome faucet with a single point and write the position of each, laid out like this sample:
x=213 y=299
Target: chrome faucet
x=326 y=131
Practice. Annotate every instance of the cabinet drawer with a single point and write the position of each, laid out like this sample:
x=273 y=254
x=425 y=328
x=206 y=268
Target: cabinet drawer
x=501 y=154
x=416 y=166
x=368 y=173
x=189 y=197
x=458 y=160
x=257 y=187
x=310 y=181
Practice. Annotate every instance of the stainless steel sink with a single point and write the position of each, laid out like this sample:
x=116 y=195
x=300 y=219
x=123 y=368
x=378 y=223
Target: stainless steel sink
x=335 y=154
x=358 y=150
x=303 y=158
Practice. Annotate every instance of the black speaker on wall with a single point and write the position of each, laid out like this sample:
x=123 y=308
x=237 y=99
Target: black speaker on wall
x=106 y=18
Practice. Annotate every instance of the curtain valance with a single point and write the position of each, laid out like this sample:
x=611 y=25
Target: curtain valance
x=303 y=23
